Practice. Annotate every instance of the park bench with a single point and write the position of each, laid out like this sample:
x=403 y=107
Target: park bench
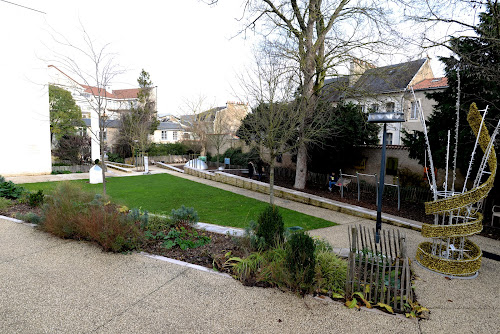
x=343 y=182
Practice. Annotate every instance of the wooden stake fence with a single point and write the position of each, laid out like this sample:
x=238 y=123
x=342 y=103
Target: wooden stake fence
x=380 y=271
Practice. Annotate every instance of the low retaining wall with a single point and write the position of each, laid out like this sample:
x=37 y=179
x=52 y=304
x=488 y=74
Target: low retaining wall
x=72 y=169
x=297 y=196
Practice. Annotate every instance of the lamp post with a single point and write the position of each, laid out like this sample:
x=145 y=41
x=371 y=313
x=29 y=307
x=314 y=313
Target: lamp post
x=383 y=117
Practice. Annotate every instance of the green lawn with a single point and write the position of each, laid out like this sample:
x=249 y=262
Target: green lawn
x=160 y=193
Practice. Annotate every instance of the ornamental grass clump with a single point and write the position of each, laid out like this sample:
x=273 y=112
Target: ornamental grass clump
x=72 y=213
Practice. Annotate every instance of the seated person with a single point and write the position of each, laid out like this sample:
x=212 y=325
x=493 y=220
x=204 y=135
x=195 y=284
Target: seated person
x=332 y=180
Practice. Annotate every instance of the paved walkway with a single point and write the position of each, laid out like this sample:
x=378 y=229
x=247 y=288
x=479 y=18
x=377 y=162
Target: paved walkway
x=52 y=285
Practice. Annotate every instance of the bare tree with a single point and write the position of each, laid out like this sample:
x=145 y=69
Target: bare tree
x=272 y=126
x=95 y=68
x=317 y=36
x=200 y=120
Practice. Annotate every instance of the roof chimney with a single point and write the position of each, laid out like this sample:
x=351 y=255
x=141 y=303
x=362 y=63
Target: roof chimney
x=357 y=68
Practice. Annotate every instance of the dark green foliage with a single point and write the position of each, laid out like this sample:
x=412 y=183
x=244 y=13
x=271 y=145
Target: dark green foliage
x=480 y=83
x=180 y=237
x=73 y=148
x=65 y=114
x=348 y=130
x=57 y=172
x=115 y=157
x=10 y=190
x=167 y=149
x=36 y=199
x=270 y=226
x=300 y=259
x=184 y=215
x=237 y=157
x=407 y=178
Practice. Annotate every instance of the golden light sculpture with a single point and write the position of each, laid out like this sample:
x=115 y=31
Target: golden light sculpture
x=456 y=215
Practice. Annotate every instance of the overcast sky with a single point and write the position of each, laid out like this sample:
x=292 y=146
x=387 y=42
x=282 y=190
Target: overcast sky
x=186 y=46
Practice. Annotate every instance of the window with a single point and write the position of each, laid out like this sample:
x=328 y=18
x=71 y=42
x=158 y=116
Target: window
x=414 y=109
x=362 y=107
x=105 y=134
x=164 y=135
x=389 y=107
x=82 y=131
x=174 y=134
x=389 y=138
x=185 y=135
x=374 y=108
x=391 y=166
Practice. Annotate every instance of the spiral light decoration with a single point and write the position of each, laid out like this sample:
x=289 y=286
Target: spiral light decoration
x=457 y=217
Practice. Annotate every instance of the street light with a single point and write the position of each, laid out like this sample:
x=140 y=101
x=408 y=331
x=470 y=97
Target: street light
x=383 y=117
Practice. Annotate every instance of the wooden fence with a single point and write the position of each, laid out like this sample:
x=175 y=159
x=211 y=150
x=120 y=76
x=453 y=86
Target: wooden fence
x=381 y=271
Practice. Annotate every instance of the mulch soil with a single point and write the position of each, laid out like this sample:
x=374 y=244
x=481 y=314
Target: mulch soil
x=212 y=255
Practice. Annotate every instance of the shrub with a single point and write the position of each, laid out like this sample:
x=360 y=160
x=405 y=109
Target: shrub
x=250 y=241
x=10 y=190
x=270 y=226
x=158 y=223
x=57 y=172
x=73 y=148
x=66 y=203
x=36 y=199
x=108 y=227
x=184 y=215
x=29 y=217
x=135 y=215
x=115 y=157
x=300 y=260
x=264 y=267
x=73 y=213
x=330 y=272
x=5 y=203
x=167 y=149
x=407 y=178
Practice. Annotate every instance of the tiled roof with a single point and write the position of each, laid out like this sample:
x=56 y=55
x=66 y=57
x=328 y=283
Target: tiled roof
x=126 y=93
x=335 y=89
x=392 y=78
x=169 y=126
x=115 y=94
x=433 y=83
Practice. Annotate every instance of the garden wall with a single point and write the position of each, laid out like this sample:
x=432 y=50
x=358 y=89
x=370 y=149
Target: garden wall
x=294 y=195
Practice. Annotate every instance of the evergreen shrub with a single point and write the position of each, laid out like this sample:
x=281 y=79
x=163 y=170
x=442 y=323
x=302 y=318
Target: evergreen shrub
x=184 y=215
x=270 y=226
x=301 y=261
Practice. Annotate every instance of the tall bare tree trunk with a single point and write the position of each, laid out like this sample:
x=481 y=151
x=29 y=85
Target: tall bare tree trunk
x=271 y=182
x=103 y=165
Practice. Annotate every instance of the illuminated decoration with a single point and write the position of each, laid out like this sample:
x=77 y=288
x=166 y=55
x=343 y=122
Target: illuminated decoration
x=456 y=214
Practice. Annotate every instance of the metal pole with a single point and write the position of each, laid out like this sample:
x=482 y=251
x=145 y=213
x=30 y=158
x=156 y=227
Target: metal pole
x=381 y=187
x=399 y=194
x=357 y=180
x=341 y=185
